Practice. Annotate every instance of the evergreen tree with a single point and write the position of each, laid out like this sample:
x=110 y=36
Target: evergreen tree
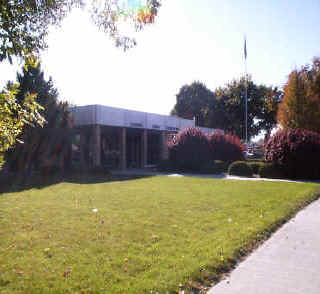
x=47 y=147
x=14 y=116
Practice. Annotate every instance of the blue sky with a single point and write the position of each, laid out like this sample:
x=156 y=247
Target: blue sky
x=191 y=40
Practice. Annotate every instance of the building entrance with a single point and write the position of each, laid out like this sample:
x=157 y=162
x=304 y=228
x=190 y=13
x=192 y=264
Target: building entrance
x=134 y=148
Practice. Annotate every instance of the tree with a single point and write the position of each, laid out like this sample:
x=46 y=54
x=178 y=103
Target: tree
x=24 y=24
x=45 y=147
x=300 y=107
x=271 y=98
x=228 y=113
x=225 y=107
x=193 y=102
x=14 y=117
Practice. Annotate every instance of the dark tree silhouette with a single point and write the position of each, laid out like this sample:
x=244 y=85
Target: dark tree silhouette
x=47 y=147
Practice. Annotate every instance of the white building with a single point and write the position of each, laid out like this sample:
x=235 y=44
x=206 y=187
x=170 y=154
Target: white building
x=124 y=138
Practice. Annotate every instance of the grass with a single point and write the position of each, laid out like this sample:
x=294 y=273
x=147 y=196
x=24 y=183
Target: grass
x=149 y=234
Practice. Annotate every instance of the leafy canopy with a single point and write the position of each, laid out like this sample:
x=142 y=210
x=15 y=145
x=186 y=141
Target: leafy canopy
x=14 y=116
x=300 y=107
x=225 y=107
x=24 y=24
x=193 y=102
x=228 y=112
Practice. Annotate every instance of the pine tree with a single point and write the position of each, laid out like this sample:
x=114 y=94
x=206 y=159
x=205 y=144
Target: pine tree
x=47 y=147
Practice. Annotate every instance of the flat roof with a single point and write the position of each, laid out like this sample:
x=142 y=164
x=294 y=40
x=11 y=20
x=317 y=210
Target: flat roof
x=119 y=117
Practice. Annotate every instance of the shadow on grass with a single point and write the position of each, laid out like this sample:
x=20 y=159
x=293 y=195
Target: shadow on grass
x=12 y=183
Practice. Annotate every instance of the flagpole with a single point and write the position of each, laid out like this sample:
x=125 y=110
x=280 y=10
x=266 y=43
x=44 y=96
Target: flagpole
x=246 y=90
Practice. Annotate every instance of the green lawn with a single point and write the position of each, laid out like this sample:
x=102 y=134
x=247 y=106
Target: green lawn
x=149 y=234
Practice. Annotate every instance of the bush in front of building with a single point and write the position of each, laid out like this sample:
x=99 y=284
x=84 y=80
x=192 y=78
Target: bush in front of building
x=225 y=147
x=165 y=165
x=220 y=166
x=270 y=171
x=255 y=166
x=214 y=168
x=189 y=150
x=295 y=152
x=240 y=168
x=99 y=170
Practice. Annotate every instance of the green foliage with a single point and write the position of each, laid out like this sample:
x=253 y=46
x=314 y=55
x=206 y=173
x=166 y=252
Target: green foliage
x=14 y=116
x=24 y=24
x=271 y=171
x=267 y=116
x=192 y=101
x=227 y=112
x=165 y=165
x=2 y=161
x=240 y=168
x=220 y=166
x=46 y=148
x=215 y=168
x=99 y=170
x=300 y=107
x=255 y=166
x=225 y=107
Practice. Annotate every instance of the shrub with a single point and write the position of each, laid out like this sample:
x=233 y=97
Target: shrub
x=99 y=170
x=217 y=167
x=271 y=171
x=49 y=170
x=295 y=152
x=225 y=147
x=255 y=166
x=220 y=166
x=189 y=150
x=165 y=165
x=240 y=168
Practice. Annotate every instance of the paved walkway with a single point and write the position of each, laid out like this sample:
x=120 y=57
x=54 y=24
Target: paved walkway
x=287 y=263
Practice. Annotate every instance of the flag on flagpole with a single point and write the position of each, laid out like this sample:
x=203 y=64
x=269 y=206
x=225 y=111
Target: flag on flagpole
x=245 y=48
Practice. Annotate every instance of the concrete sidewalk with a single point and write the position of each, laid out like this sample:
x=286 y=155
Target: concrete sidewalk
x=287 y=263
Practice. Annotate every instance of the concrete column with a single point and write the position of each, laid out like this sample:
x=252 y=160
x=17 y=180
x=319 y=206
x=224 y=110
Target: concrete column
x=164 y=151
x=123 y=149
x=144 y=148
x=96 y=145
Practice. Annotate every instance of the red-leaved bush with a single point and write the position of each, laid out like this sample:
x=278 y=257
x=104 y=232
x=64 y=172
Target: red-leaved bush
x=189 y=149
x=225 y=147
x=296 y=152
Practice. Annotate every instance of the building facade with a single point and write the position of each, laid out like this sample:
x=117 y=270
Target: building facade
x=121 y=138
